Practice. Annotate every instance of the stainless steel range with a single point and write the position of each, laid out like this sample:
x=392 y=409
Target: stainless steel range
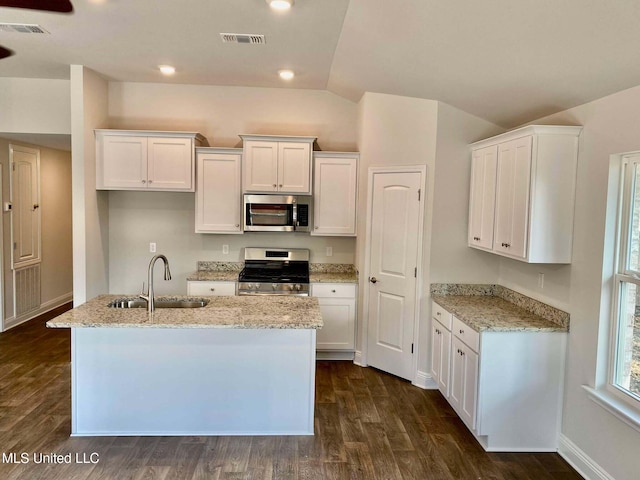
x=274 y=271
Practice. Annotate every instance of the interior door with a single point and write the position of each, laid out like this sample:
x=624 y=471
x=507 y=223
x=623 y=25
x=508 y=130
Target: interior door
x=25 y=197
x=395 y=229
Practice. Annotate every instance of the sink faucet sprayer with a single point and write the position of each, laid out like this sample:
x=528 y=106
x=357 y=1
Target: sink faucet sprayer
x=167 y=276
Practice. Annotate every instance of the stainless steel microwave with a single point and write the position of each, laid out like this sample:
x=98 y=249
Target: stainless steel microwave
x=277 y=213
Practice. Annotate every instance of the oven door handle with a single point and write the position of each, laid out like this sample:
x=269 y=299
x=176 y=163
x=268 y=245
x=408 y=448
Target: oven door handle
x=295 y=216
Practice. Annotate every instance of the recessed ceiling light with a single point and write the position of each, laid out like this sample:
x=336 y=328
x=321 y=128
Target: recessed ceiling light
x=280 y=4
x=167 y=69
x=286 y=74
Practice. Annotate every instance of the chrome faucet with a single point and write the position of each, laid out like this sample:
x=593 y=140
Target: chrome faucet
x=167 y=276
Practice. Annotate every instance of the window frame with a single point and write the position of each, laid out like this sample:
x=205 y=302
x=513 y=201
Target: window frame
x=623 y=273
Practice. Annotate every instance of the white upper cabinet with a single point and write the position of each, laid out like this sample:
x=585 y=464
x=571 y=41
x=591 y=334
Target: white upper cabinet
x=144 y=160
x=277 y=164
x=534 y=194
x=218 y=195
x=482 y=197
x=335 y=180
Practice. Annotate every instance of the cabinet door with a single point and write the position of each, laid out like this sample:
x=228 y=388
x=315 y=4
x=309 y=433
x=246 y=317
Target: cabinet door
x=260 y=166
x=211 y=289
x=338 y=308
x=440 y=357
x=338 y=331
x=464 y=381
x=512 y=197
x=123 y=162
x=482 y=197
x=170 y=164
x=218 y=197
x=334 y=196
x=294 y=167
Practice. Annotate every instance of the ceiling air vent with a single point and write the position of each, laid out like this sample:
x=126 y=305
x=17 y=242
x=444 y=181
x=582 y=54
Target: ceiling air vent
x=242 y=38
x=21 y=28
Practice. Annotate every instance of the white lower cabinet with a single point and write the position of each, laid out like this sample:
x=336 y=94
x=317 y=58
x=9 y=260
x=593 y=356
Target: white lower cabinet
x=338 y=307
x=506 y=386
x=211 y=289
x=441 y=348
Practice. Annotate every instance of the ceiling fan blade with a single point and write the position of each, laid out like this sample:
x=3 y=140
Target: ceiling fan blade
x=61 y=6
x=4 y=52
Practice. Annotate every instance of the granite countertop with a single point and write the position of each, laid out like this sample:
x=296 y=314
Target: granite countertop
x=489 y=307
x=229 y=271
x=274 y=312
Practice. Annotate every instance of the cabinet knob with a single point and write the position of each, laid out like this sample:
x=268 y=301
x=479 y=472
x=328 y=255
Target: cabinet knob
x=150 y=181
x=274 y=185
x=438 y=313
x=144 y=181
x=333 y=291
x=212 y=289
x=237 y=225
x=316 y=227
x=461 y=332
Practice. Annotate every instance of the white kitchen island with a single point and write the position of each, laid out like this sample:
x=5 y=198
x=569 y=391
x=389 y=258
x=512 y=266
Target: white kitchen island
x=238 y=366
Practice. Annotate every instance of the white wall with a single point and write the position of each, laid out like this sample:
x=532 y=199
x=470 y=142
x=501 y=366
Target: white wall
x=31 y=105
x=452 y=261
x=219 y=113
x=168 y=219
x=222 y=113
x=610 y=127
x=89 y=97
x=396 y=131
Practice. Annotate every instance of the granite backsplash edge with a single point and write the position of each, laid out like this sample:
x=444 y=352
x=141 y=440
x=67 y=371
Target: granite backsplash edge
x=529 y=304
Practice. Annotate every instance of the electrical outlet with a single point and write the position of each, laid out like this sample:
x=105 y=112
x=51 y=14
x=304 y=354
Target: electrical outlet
x=541 y=280
x=225 y=249
x=152 y=247
x=329 y=251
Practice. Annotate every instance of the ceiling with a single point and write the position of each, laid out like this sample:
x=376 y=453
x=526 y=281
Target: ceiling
x=507 y=61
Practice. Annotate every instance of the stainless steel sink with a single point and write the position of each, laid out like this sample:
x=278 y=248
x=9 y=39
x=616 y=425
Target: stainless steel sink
x=159 y=303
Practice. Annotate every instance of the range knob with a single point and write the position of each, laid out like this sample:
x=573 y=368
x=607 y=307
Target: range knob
x=274 y=285
x=297 y=287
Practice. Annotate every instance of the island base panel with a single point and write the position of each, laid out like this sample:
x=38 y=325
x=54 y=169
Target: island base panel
x=156 y=381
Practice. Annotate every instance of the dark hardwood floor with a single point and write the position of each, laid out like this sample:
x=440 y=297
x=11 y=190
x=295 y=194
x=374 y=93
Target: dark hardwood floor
x=369 y=426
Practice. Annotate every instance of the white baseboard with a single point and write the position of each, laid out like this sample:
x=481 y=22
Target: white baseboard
x=579 y=460
x=44 y=308
x=335 y=355
x=358 y=360
x=424 y=380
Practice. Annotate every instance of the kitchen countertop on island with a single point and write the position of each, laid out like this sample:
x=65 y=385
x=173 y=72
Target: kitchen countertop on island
x=250 y=312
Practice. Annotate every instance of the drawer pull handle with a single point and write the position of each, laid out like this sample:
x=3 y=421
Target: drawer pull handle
x=213 y=289
x=461 y=332
x=333 y=291
x=438 y=313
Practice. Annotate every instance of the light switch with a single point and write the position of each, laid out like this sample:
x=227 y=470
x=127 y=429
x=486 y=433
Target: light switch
x=225 y=249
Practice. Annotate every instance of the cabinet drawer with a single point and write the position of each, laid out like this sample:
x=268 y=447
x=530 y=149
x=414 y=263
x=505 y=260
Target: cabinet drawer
x=467 y=334
x=333 y=290
x=211 y=288
x=441 y=315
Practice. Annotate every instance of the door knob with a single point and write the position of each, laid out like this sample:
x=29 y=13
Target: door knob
x=373 y=279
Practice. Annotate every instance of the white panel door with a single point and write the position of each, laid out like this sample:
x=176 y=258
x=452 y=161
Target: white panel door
x=512 y=197
x=170 y=165
x=294 y=167
x=218 y=197
x=482 y=197
x=127 y=162
x=261 y=166
x=393 y=260
x=25 y=197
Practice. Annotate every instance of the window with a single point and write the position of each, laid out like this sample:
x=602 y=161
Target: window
x=624 y=375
